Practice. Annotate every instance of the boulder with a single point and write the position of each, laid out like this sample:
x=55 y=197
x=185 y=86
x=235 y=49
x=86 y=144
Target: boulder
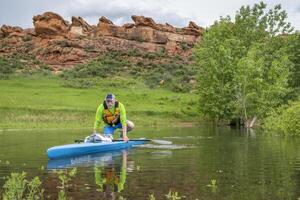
x=50 y=24
x=30 y=31
x=105 y=27
x=80 y=27
x=128 y=25
x=193 y=29
x=143 y=21
x=12 y=31
x=166 y=28
x=139 y=34
x=105 y=20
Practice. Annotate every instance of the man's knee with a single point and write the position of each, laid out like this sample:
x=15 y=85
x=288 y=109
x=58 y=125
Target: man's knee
x=130 y=125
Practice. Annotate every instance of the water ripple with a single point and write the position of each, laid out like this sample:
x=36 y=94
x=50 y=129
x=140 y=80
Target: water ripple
x=173 y=146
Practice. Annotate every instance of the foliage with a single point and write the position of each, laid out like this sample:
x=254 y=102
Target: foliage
x=101 y=67
x=262 y=78
x=8 y=67
x=16 y=186
x=213 y=185
x=23 y=64
x=285 y=120
x=294 y=56
x=244 y=65
x=65 y=176
x=184 y=46
x=34 y=191
x=26 y=38
x=173 y=196
x=151 y=197
x=154 y=68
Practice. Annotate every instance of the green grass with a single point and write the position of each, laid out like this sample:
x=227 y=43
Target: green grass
x=35 y=101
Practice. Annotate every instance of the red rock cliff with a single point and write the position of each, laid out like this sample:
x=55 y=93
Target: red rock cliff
x=55 y=41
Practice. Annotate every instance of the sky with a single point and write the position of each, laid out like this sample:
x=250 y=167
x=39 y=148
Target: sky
x=176 y=12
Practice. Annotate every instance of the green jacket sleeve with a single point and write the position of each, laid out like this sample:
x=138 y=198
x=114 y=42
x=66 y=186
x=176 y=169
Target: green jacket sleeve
x=98 y=117
x=122 y=114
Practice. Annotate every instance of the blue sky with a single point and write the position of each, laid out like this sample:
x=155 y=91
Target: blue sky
x=175 y=12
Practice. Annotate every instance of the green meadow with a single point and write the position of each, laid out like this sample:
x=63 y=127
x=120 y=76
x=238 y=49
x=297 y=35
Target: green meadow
x=43 y=102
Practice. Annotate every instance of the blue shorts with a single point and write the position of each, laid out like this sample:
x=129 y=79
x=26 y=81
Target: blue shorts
x=109 y=130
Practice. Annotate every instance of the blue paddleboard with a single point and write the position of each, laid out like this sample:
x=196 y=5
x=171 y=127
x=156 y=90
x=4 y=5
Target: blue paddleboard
x=69 y=150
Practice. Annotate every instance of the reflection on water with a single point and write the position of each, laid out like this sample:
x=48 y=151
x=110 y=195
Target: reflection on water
x=165 y=146
x=239 y=165
x=99 y=159
x=110 y=170
x=161 y=154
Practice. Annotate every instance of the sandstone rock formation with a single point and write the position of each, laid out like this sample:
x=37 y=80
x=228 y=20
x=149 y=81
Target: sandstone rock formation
x=55 y=41
x=50 y=24
x=9 y=31
x=80 y=27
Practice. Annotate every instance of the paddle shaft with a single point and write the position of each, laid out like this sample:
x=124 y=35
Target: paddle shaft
x=118 y=140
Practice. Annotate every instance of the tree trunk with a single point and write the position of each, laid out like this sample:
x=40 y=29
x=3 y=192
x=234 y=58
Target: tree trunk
x=250 y=123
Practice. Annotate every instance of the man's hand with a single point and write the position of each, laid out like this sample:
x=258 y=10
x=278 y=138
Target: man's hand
x=125 y=138
x=124 y=134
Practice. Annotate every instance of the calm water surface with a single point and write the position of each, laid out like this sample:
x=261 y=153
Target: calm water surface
x=244 y=165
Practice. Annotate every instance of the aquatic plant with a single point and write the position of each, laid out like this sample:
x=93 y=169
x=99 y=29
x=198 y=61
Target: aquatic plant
x=34 y=190
x=121 y=198
x=173 y=196
x=151 y=196
x=213 y=185
x=65 y=177
x=16 y=185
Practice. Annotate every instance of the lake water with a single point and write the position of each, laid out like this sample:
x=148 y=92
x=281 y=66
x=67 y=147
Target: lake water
x=242 y=165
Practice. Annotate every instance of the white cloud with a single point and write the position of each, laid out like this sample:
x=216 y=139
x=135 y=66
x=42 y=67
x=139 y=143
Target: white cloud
x=120 y=11
x=175 y=12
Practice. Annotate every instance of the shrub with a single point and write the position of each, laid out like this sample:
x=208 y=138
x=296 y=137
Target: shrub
x=184 y=46
x=286 y=120
x=8 y=67
x=78 y=83
x=148 y=67
x=26 y=38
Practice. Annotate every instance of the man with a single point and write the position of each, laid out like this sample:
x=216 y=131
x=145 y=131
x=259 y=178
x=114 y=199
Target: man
x=113 y=114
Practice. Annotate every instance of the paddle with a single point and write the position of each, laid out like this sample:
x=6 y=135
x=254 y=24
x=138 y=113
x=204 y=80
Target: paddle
x=165 y=142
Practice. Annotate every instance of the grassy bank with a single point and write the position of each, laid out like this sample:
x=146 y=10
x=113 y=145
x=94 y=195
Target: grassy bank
x=35 y=101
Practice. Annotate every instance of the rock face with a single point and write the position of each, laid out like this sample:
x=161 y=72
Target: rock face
x=50 y=24
x=9 y=31
x=57 y=42
x=80 y=27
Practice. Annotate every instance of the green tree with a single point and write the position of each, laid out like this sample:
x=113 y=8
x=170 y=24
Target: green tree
x=244 y=64
x=294 y=52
